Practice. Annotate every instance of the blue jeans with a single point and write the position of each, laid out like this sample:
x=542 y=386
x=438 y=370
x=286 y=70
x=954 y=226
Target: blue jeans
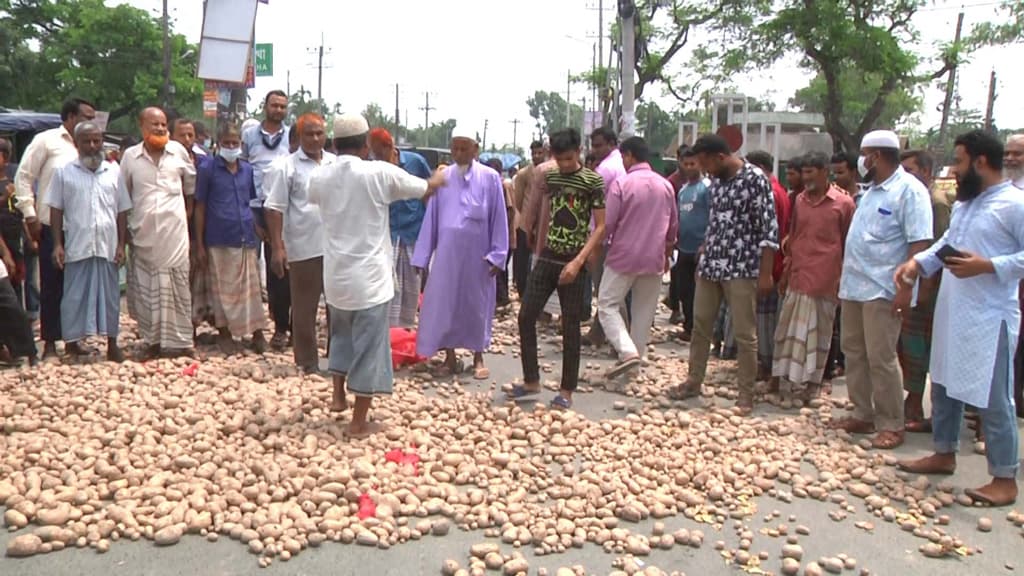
x=998 y=420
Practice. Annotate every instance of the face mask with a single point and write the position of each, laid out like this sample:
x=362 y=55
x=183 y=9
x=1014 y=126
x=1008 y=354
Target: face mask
x=230 y=155
x=862 y=166
x=91 y=161
x=969 y=186
x=157 y=142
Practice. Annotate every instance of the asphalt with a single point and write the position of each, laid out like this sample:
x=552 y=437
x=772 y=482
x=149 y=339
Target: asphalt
x=885 y=551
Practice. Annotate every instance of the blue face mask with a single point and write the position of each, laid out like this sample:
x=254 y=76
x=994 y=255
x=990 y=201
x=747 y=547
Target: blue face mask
x=230 y=155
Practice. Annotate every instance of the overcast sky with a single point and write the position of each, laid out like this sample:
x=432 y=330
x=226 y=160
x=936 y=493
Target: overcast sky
x=482 y=62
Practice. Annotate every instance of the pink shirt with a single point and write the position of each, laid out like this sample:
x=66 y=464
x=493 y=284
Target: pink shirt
x=641 y=221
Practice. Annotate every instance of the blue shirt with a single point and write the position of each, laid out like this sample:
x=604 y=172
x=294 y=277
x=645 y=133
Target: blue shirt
x=889 y=218
x=407 y=215
x=229 y=219
x=694 y=211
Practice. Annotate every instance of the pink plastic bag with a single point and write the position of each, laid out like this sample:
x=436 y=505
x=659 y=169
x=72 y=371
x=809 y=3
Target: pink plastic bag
x=403 y=348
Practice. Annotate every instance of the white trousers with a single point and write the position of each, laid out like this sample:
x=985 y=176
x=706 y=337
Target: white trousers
x=610 y=305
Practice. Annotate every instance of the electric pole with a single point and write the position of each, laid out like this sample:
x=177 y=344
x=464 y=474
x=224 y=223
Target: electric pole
x=568 y=99
x=398 y=118
x=950 y=85
x=167 y=59
x=991 y=101
x=515 y=133
x=485 y=134
x=288 y=84
x=627 y=12
x=426 y=120
x=320 y=52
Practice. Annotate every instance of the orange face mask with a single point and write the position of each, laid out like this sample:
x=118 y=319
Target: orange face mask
x=157 y=141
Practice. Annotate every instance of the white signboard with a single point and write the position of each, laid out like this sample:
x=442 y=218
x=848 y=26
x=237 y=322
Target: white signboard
x=227 y=37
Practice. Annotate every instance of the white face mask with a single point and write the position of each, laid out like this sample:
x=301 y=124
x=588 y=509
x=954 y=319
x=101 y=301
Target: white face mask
x=230 y=155
x=862 y=166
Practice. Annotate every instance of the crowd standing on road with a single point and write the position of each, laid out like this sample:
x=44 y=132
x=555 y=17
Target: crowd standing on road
x=862 y=265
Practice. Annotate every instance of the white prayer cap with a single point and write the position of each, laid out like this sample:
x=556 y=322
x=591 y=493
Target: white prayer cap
x=349 y=124
x=881 y=139
x=460 y=132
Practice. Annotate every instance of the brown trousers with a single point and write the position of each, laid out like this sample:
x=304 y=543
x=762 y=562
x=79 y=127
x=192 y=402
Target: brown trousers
x=306 y=280
x=873 y=376
x=741 y=296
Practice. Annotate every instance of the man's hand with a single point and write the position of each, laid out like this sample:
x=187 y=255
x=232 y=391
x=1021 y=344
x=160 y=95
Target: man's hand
x=35 y=229
x=765 y=285
x=8 y=191
x=435 y=181
x=279 y=261
x=119 y=255
x=58 y=257
x=907 y=274
x=261 y=232
x=901 y=303
x=969 y=265
x=569 y=273
x=201 y=257
x=783 y=285
x=9 y=262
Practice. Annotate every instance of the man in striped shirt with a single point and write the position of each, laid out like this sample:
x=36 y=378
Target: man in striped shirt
x=567 y=199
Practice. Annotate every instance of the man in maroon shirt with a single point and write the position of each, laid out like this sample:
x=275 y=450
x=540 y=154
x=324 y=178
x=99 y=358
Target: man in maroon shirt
x=768 y=306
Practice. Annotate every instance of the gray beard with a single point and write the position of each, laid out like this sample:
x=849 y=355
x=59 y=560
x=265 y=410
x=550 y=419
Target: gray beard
x=91 y=161
x=1014 y=174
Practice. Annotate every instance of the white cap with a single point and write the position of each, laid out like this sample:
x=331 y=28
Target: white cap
x=460 y=132
x=881 y=139
x=349 y=124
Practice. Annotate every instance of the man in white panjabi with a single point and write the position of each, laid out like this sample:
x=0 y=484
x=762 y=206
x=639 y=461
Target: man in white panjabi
x=158 y=174
x=977 y=318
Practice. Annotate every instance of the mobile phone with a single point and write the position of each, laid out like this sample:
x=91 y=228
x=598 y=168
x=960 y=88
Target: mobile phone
x=947 y=252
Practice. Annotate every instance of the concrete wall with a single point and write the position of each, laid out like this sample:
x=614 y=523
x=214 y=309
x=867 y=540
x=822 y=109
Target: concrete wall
x=790 y=145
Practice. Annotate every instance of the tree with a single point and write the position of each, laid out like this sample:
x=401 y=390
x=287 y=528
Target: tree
x=436 y=136
x=857 y=93
x=659 y=127
x=376 y=118
x=111 y=55
x=853 y=39
x=549 y=109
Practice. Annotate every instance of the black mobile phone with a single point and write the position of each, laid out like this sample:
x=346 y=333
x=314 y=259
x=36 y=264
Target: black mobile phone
x=947 y=252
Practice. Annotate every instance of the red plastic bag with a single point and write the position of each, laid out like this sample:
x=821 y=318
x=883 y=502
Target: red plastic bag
x=191 y=369
x=404 y=459
x=367 y=507
x=403 y=348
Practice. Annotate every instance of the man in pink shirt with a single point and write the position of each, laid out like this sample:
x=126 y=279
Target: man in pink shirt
x=642 y=224
x=604 y=146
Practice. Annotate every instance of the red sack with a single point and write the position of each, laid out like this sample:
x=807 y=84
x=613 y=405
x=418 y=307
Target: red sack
x=403 y=348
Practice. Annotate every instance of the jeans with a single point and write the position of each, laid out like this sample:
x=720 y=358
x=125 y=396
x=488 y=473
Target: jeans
x=998 y=419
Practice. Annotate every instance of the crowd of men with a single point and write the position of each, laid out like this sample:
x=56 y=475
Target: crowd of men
x=841 y=272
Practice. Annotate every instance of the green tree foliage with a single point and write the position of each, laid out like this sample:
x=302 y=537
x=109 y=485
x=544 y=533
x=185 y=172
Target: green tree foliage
x=436 y=136
x=112 y=55
x=376 y=118
x=857 y=91
x=548 y=109
x=659 y=128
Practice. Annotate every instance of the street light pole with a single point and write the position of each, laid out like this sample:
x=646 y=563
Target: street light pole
x=627 y=12
x=167 y=59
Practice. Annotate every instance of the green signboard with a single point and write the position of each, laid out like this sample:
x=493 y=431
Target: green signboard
x=264 y=59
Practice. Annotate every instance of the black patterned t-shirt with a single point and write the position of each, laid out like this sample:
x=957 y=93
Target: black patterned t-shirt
x=742 y=222
x=572 y=197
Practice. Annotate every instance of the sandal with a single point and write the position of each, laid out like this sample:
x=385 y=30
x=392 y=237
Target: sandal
x=520 y=392
x=481 y=373
x=560 y=402
x=923 y=426
x=444 y=371
x=683 y=391
x=853 y=426
x=888 y=439
x=622 y=367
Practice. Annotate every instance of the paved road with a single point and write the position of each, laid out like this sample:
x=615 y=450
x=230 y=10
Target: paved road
x=888 y=551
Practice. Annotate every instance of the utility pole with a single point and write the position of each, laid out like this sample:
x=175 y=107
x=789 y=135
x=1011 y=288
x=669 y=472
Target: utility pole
x=593 y=91
x=167 y=59
x=485 y=134
x=600 y=31
x=991 y=101
x=426 y=120
x=398 y=118
x=515 y=133
x=627 y=12
x=288 y=84
x=950 y=85
x=568 y=99
x=320 y=52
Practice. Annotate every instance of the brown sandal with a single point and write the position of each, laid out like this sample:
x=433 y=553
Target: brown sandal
x=683 y=391
x=888 y=439
x=854 y=426
x=919 y=426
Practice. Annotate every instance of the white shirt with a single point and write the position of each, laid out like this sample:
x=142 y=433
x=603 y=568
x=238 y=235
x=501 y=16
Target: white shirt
x=158 y=225
x=47 y=152
x=3 y=271
x=287 y=186
x=354 y=196
x=91 y=202
x=255 y=150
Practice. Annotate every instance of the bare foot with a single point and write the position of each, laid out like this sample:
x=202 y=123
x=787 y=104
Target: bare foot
x=944 y=464
x=998 y=492
x=364 y=430
x=339 y=405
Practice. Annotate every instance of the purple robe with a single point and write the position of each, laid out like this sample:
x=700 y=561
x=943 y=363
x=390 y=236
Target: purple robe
x=465 y=230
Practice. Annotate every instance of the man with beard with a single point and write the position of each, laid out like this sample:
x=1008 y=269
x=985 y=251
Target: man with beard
x=158 y=176
x=262 y=144
x=604 y=146
x=977 y=317
x=736 y=264
x=916 y=334
x=892 y=223
x=89 y=215
x=844 y=169
x=1013 y=168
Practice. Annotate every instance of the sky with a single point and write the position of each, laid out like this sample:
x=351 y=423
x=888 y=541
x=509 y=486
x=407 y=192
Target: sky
x=481 y=64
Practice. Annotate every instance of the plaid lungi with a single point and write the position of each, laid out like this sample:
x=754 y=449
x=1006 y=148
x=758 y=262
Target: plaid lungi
x=803 y=338
x=915 y=345
x=767 y=320
x=402 y=310
x=160 y=302
x=233 y=280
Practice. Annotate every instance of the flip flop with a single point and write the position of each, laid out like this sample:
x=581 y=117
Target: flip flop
x=481 y=373
x=622 y=367
x=520 y=392
x=444 y=371
x=977 y=496
x=560 y=402
x=919 y=426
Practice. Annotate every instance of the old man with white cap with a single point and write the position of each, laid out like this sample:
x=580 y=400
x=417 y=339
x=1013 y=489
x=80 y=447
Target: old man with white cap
x=354 y=195
x=465 y=234
x=892 y=223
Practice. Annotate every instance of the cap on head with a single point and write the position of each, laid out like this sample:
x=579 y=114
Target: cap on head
x=347 y=125
x=881 y=139
x=460 y=132
x=381 y=137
